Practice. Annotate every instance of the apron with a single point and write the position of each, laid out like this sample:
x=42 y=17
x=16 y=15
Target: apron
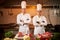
x=39 y=30
x=24 y=29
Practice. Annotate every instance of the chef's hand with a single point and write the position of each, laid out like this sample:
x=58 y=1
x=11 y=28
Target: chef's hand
x=38 y=22
x=26 y=23
x=27 y=19
x=43 y=21
x=21 y=21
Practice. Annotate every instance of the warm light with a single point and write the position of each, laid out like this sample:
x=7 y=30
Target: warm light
x=33 y=7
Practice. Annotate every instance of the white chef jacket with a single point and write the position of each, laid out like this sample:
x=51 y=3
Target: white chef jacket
x=39 y=28
x=27 y=19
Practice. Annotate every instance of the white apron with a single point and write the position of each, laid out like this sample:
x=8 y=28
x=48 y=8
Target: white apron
x=39 y=30
x=24 y=29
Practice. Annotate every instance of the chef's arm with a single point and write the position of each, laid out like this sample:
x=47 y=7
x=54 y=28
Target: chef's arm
x=44 y=22
x=19 y=21
x=28 y=20
x=35 y=22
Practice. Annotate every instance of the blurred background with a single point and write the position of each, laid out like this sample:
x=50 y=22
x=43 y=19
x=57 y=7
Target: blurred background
x=10 y=8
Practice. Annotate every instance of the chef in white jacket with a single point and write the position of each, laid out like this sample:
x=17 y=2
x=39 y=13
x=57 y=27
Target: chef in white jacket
x=23 y=19
x=39 y=21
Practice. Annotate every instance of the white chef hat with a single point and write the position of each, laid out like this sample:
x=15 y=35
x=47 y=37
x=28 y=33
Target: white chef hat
x=39 y=7
x=23 y=4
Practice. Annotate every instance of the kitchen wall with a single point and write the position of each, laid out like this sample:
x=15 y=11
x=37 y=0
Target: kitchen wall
x=10 y=14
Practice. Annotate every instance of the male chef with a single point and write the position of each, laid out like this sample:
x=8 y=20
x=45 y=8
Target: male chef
x=39 y=21
x=23 y=20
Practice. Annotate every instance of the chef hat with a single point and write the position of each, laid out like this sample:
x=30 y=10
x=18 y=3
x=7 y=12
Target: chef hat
x=23 y=4
x=39 y=7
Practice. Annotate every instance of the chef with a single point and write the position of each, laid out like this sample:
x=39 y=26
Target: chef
x=23 y=19
x=39 y=21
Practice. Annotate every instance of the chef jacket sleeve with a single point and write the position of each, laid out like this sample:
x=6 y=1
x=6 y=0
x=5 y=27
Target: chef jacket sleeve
x=28 y=19
x=35 y=21
x=18 y=19
x=44 y=21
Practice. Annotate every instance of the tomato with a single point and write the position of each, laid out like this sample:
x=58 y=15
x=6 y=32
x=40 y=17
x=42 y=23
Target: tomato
x=30 y=35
